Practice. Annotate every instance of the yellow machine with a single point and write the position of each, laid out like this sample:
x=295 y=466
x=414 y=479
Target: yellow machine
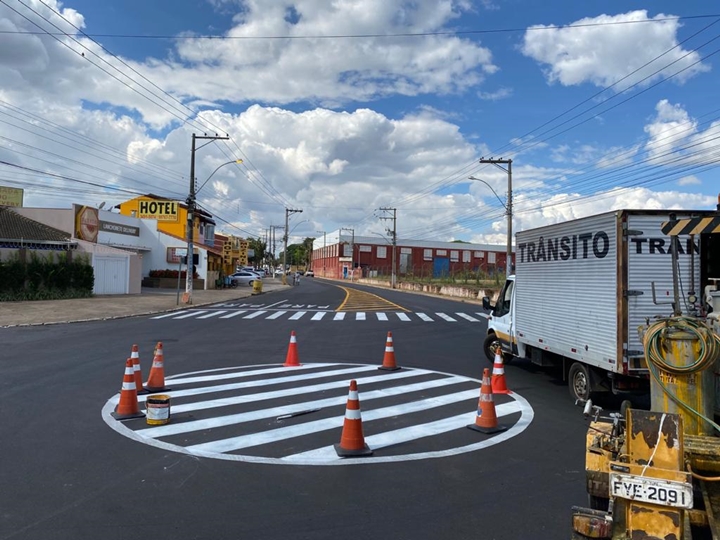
x=656 y=474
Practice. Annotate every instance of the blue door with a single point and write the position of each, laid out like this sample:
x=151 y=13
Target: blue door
x=441 y=267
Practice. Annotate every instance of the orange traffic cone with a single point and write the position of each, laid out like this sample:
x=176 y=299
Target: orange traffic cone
x=135 y=356
x=498 y=374
x=128 y=406
x=486 y=420
x=389 y=358
x=292 y=360
x=156 y=379
x=352 y=442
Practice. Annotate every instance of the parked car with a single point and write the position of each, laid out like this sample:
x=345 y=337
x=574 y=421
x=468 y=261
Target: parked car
x=245 y=277
x=309 y=273
x=279 y=272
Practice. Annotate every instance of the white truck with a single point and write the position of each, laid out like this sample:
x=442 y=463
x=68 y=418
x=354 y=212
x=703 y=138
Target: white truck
x=582 y=289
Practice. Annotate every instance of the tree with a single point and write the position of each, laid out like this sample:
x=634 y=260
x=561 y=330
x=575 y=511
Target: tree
x=259 y=247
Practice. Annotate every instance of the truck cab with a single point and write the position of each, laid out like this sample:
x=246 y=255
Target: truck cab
x=500 y=324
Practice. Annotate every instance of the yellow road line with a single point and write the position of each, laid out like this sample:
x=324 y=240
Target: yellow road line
x=363 y=300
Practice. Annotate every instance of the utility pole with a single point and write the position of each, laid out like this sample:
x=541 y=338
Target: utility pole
x=288 y=211
x=324 y=246
x=393 y=233
x=508 y=207
x=191 y=214
x=352 y=251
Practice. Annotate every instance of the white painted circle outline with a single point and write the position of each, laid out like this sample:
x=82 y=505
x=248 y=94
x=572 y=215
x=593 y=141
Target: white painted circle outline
x=527 y=414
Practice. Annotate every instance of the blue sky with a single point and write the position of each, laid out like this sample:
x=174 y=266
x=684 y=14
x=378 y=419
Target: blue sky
x=340 y=108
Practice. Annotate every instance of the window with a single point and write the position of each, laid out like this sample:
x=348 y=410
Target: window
x=347 y=250
x=491 y=257
x=366 y=249
x=454 y=256
x=479 y=254
x=382 y=252
x=442 y=252
x=503 y=304
x=466 y=256
x=427 y=254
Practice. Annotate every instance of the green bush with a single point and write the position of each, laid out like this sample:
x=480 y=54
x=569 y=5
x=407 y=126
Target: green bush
x=48 y=277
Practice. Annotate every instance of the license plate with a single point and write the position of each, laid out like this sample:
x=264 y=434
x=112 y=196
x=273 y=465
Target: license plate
x=651 y=490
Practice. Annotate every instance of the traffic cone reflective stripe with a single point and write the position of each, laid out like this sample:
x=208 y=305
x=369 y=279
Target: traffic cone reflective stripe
x=486 y=419
x=352 y=441
x=292 y=359
x=135 y=356
x=499 y=386
x=128 y=406
x=389 y=358
x=156 y=379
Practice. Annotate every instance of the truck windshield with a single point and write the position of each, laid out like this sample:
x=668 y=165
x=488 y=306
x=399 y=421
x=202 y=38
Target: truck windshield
x=503 y=304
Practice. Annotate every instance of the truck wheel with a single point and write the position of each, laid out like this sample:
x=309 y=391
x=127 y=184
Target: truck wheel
x=579 y=381
x=489 y=354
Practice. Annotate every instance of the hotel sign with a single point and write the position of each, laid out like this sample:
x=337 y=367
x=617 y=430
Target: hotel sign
x=157 y=209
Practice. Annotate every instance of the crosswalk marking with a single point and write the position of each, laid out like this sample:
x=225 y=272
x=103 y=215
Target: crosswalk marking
x=256 y=314
x=234 y=314
x=212 y=314
x=321 y=315
x=250 y=413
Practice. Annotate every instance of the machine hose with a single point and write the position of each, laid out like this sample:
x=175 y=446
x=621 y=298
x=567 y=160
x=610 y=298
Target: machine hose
x=709 y=353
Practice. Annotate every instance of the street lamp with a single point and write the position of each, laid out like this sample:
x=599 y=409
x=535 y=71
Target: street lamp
x=508 y=213
x=288 y=211
x=216 y=170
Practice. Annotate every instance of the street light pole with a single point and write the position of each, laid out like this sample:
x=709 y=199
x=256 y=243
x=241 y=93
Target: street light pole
x=393 y=271
x=288 y=211
x=508 y=206
x=190 y=259
x=324 y=246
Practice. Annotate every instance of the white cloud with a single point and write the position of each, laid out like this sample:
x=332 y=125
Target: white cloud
x=502 y=93
x=691 y=180
x=600 y=54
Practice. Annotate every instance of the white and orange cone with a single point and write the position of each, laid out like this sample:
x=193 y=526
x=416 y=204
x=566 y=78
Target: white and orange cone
x=389 y=358
x=292 y=359
x=128 y=407
x=499 y=386
x=352 y=441
x=486 y=420
x=156 y=379
x=135 y=357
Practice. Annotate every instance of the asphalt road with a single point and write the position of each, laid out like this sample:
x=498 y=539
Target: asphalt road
x=70 y=471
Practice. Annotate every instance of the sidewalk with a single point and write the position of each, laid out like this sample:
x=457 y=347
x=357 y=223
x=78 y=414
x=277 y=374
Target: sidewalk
x=101 y=308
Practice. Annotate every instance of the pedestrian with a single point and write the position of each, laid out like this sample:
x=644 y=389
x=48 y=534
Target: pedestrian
x=297 y=278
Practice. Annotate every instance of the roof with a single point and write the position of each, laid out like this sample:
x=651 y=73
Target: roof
x=15 y=228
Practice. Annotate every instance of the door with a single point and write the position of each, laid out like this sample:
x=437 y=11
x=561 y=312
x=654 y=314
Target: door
x=441 y=267
x=503 y=315
x=111 y=275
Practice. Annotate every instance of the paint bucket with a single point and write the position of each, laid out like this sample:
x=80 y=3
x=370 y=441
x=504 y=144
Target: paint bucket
x=157 y=409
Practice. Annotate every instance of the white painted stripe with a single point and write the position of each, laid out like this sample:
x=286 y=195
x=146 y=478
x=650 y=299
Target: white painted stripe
x=448 y=318
x=239 y=418
x=276 y=315
x=298 y=315
x=233 y=314
x=382 y=316
x=298 y=390
x=360 y=316
x=264 y=382
x=467 y=317
x=165 y=315
x=403 y=317
x=240 y=374
x=190 y=314
x=352 y=414
x=289 y=432
x=425 y=318
x=339 y=316
x=318 y=316
x=256 y=314
x=408 y=434
x=212 y=314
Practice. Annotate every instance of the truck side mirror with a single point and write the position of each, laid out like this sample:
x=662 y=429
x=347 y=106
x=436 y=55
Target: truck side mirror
x=486 y=303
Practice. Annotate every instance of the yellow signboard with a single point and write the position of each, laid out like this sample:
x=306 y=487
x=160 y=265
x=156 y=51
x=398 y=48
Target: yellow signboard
x=157 y=209
x=11 y=196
